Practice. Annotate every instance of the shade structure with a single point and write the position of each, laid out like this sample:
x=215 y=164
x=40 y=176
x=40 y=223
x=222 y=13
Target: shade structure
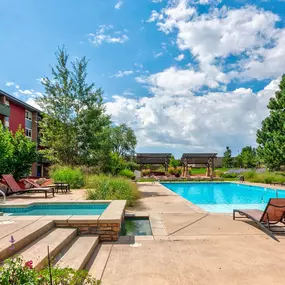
x=199 y=158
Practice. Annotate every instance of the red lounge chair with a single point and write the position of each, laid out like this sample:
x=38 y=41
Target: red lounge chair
x=14 y=187
x=268 y=219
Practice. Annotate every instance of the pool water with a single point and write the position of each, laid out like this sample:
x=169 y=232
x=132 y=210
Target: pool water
x=224 y=197
x=135 y=226
x=58 y=209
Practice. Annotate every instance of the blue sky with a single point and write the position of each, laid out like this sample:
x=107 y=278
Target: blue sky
x=187 y=75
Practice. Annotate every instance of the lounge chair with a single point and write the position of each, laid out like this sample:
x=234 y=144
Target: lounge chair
x=57 y=186
x=268 y=219
x=14 y=188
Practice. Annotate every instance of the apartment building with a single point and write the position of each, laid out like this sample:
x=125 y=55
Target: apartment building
x=15 y=113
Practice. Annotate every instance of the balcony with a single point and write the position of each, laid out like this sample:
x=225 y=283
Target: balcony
x=4 y=110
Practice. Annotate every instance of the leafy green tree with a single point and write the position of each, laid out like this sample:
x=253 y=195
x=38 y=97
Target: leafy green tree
x=174 y=162
x=248 y=157
x=74 y=127
x=227 y=158
x=123 y=140
x=17 y=153
x=6 y=150
x=271 y=136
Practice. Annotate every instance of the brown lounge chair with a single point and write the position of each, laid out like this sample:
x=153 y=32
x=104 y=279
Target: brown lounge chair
x=273 y=214
x=14 y=188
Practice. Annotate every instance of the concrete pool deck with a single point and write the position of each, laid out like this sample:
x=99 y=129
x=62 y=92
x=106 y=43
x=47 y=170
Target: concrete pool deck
x=191 y=246
x=188 y=246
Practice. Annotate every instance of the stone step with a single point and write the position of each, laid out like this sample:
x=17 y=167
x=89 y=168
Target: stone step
x=56 y=239
x=79 y=253
x=23 y=236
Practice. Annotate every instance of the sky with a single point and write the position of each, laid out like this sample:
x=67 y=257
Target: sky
x=186 y=75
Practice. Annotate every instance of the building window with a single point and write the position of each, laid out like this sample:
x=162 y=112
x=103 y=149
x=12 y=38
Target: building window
x=28 y=115
x=28 y=133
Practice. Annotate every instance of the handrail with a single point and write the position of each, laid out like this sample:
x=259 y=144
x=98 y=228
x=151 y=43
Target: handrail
x=3 y=194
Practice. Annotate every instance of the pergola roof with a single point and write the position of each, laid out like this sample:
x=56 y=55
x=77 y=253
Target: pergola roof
x=153 y=158
x=198 y=158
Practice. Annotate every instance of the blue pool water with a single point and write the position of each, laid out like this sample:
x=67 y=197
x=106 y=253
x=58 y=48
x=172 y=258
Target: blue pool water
x=224 y=197
x=56 y=209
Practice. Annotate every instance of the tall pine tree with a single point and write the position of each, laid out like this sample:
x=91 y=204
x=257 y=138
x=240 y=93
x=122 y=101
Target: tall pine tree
x=271 y=136
x=74 y=128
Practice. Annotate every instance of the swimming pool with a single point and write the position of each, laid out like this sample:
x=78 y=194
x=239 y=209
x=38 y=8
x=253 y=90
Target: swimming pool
x=56 y=209
x=224 y=197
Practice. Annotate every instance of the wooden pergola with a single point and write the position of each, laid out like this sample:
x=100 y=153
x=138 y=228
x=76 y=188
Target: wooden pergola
x=207 y=159
x=154 y=158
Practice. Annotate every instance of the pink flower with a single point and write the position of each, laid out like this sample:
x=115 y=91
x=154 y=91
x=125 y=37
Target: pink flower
x=29 y=264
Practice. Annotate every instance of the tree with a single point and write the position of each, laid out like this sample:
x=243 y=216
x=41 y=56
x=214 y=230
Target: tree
x=74 y=127
x=271 y=136
x=174 y=162
x=248 y=157
x=17 y=153
x=123 y=140
x=227 y=159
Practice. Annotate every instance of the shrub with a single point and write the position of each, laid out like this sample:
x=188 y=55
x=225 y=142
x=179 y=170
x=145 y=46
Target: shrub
x=17 y=272
x=73 y=176
x=102 y=187
x=132 y=165
x=171 y=170
x=127 y=173
x=145 y=172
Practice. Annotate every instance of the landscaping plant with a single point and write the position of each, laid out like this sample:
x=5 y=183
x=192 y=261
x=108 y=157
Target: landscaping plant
x=102 y=187
x=73 y=176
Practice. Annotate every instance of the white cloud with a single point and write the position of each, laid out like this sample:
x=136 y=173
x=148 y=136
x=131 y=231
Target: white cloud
x=158 y=54
x=249 y=34
x=27 y=92
x=156 y=1
x=33 y=103
x=9 y=83
x=195 y=123
x=121 y=73
x=106 y=33
x=118 y=4
x=179 y=57
x=155 y=16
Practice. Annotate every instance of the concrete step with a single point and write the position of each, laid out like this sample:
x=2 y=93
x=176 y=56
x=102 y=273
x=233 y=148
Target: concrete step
x=98 y=260
x=56 y=239
x=79 y=253
x=23 y=236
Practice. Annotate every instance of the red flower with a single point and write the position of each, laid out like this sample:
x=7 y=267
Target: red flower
x=29 y=264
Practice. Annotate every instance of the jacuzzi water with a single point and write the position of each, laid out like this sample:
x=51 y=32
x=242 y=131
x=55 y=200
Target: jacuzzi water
x=58 y=209
x=224 y=197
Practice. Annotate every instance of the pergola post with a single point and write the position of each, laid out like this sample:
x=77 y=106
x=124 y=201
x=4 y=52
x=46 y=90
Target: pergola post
x=208 y=172
x=187 y=170
x=213 y=168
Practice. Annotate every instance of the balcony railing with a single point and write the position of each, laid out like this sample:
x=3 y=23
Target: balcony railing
x=4 y=110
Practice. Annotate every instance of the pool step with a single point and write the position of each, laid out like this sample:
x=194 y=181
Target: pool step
x=79 y=253
x=23 y=236
x=56 y=239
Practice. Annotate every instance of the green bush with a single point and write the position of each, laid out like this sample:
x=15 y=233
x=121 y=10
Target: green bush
x=266 y=177
x=102 y=187
x=73 y=176
x=127 y=173
x=16 y=271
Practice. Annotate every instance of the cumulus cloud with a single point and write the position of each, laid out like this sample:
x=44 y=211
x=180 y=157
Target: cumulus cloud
x=195 y=123
x=249 y=34
x=107 y=34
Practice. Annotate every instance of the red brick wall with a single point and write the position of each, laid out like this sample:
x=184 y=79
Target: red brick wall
x=17 y=117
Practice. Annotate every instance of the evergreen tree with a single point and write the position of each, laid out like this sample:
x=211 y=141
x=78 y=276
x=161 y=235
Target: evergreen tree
x=75 y=127
x=248 y=157
x=271 y=136
x=227 y=158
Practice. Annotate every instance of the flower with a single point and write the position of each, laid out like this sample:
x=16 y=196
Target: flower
x=29 y=264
